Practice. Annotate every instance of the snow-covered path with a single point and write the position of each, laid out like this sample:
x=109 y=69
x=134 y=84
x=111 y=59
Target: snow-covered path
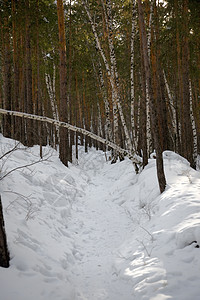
x=100 y=227
x=96 y=231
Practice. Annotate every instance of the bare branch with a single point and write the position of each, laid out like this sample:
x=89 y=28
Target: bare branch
x=25 y=166
x=10 y=151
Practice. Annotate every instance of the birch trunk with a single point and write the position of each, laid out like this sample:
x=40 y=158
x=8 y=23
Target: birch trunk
x=50 y=88
x=108 y=129
x=149 y=137
x=99 y=124
x=110 y=76
x=171 y=102
x=193 y=120
x=132 y=75
x=133 y=157
x=109 y=21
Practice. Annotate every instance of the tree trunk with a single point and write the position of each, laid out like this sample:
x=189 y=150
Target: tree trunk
x=187 y=132
x=113 y=80
x=64 y=141
x=70 y=104
x=132 y=73
x=133 y=157
x=7 y=79
x=4 y=254
x=154 y=118
x=106 y=103
x=17 y=122
x=143 y=111
x=29 y=100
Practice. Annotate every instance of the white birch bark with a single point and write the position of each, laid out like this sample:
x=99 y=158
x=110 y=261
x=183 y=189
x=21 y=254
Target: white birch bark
x=149 y=140
x=112 y=80
x=172 y=108
x=99 y=124
x=51 y=91
x=108 y=129
x=132 y=74
x=113 y=70
x=133 y=157
x=192 y=120
x=108 y=19
x=149 y=27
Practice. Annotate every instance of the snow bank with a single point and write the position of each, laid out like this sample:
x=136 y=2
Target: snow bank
x=98 y=231
x=163 y=256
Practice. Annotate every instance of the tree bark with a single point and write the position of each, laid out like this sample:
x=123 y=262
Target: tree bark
x=112 y=79
x=17 y=122
x=187 y=132
x=29 y=100
x=64 y=139
x=133 y=157
x=154 y=118
x=7 y=79
x=132 y=75
x=4 y=254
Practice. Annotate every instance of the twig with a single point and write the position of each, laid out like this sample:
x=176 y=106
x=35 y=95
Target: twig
x=152 y=238
x=8 y=152
x=25 y=166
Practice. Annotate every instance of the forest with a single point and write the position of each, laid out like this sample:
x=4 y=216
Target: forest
x=121 y=77
x=125 y=71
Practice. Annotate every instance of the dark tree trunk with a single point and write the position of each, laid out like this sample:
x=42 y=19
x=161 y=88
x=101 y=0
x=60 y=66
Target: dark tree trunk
x=17 y=122
x=187 y=132
x=143 y=112
x=70 y=106
x=29 y=100
x=7 y=81
x=153 y=111
x=64 y=139
x=4 y=254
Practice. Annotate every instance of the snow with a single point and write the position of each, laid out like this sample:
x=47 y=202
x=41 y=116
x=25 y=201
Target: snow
x=96 y=231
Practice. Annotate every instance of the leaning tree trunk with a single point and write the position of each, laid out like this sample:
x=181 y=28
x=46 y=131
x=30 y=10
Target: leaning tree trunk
x=113 y=81
x=133 y=157
x=4 y=254
x=108 y=128
x=109 y=21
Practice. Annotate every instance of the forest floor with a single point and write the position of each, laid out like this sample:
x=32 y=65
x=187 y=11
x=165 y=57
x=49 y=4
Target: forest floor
x=96 y=231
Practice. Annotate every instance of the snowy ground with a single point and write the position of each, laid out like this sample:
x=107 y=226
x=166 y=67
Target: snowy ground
x=96 y=231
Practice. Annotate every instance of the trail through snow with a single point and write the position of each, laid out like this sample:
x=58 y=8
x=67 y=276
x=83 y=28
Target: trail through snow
x=99 y=227
x=96 y=231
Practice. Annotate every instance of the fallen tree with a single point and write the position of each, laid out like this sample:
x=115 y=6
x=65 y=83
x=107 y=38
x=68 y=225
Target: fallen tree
x=136 y=159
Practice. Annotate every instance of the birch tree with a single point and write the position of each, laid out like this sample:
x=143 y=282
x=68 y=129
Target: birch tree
x=111 y=71
x=133 y=157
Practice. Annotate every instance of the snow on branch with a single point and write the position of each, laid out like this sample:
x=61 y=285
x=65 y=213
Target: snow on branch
x=133 y=157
